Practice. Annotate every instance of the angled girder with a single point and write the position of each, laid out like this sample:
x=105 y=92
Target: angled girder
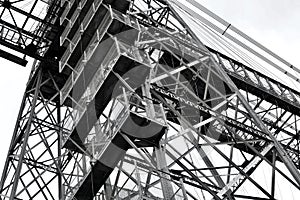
x=220 y=133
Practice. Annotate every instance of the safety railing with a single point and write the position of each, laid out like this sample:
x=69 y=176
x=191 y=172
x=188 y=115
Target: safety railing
x=94 y=43
x=116 y=50
x=126 y=19
x=257 y=80
x=138 y=106
x=134 y=53
x=66 y=10
x=77 y=37
x=103 y=71
x=102 y=133
x=13 y=36
x=84 y=23
x=99 y=77
x=98 y=141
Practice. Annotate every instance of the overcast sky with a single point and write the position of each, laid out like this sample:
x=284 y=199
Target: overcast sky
x=274 y=23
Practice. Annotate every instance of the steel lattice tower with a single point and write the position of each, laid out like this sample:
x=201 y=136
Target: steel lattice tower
x=125 y=101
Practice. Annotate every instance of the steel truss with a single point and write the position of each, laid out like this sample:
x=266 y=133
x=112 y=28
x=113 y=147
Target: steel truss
x=27 y=27
x=223 y=124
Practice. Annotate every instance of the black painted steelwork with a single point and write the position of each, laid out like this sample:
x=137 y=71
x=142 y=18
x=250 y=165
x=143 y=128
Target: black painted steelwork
x=91 y=102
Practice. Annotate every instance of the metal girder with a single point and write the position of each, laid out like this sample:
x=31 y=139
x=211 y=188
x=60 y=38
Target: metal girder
x=26 y=26
x=33 y=157
x=218 y=134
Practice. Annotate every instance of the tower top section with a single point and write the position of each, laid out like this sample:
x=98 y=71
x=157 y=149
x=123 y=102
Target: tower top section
x=27 y=27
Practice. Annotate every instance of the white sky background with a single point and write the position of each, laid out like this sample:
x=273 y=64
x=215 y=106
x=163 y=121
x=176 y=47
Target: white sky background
x=13 y=79
x=274 y=23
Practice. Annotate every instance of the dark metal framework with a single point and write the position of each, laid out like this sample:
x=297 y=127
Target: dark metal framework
x=227 y=124
x=25 y=27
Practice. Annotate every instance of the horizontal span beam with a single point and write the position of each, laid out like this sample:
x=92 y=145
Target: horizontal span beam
x=286 y=100
x=13 y=58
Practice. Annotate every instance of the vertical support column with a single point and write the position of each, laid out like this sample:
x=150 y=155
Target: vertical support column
x=146 y=92
x=138 y=178
x=185 y=197
x=59 y=146
x=159 y=151
x=108 y=190
x=164 y=174
x=26 y=136
x=273 y=174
